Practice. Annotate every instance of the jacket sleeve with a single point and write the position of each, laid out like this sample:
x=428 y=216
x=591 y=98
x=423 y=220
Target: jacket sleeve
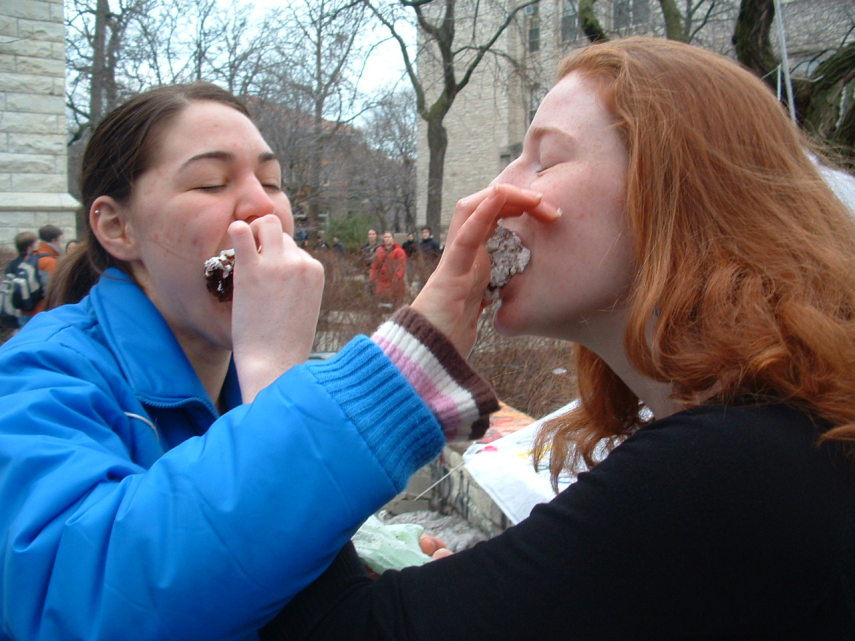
x=213 y=537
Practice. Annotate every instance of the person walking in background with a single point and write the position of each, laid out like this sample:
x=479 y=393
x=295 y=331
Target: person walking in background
x=321 y=241
x=25 y=245
x=705 y=273
x=388 y=272
x=409 y=246
x=48 y=251
x=425 y=258
x=428 y=246
x=338 y=246
x=369 y=248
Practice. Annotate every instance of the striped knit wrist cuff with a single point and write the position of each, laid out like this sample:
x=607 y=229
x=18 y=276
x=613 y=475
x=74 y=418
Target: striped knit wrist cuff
x=455 y=393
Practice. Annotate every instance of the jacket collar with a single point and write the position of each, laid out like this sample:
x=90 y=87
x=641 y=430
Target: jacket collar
x=151 y=360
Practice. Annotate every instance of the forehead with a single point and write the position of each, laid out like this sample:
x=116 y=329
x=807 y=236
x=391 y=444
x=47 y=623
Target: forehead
x=574 y=105
x=205 y=126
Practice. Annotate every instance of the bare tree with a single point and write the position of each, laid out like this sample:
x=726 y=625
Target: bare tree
x=457 y=56
x=391 y=133
x=319 y=53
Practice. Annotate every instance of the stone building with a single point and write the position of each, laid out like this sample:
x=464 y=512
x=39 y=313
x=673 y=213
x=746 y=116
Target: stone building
x=33 y=159
x=488 y=119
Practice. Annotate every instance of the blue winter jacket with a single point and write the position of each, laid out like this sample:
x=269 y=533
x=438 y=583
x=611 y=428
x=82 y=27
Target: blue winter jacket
x=131 y=509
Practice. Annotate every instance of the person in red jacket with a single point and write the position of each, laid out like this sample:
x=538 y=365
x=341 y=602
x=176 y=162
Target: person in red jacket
x=388 y=270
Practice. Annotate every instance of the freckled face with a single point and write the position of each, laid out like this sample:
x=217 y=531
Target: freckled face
x=210 y=167
x=582 y=265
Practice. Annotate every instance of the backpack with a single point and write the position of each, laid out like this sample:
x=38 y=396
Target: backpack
x=21 y=290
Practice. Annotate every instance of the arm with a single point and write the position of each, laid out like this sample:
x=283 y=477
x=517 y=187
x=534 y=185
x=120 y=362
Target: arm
x=204 y=539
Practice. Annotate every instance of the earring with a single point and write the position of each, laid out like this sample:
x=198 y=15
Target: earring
x=97 y=212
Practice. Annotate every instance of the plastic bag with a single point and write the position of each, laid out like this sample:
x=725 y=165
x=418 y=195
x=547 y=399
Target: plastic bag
x=389 y=546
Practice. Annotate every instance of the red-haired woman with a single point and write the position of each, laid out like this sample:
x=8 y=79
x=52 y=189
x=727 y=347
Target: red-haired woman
x=706 y=274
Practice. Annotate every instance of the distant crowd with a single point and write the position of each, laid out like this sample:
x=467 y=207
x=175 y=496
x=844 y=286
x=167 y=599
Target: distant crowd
x=26 y=277
x=392 y=268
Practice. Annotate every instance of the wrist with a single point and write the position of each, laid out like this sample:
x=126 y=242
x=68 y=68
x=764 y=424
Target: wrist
x=457 y=395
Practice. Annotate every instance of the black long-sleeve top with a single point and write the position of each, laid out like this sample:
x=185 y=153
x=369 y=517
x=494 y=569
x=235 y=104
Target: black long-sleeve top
x=715 y=523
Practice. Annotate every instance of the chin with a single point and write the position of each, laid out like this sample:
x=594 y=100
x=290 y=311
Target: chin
x=506 y=323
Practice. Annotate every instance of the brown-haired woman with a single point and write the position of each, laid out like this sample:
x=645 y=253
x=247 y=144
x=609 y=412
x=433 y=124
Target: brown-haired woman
x=707 y=274
x=168 y=468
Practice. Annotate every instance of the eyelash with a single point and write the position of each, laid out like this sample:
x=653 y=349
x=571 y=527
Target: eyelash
x=271 y=186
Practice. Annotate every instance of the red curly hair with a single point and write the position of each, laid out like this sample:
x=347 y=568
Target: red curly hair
x=745 y=255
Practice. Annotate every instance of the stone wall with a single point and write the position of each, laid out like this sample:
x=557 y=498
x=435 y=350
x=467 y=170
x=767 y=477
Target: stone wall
x=33 y=159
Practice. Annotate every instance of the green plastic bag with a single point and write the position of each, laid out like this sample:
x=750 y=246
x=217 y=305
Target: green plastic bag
x=389 y=546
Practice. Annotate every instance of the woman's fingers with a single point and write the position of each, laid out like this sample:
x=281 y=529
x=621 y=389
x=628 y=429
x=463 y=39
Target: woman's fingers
x=274 y=275
x=498 y=201
x=518 y=201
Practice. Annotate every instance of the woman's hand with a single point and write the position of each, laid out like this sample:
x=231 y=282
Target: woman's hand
x=277 y=299
x=453 y=297
x=434 y=547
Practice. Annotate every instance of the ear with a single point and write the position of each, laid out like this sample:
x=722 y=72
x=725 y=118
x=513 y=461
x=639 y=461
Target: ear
x=111 y=225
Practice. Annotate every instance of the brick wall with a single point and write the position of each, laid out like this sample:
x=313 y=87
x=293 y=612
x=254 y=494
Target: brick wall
x=33 y=160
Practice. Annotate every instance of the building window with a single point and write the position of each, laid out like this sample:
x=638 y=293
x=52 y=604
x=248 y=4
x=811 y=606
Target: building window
x=569 y=21
x=532 y=14
x=630 y=12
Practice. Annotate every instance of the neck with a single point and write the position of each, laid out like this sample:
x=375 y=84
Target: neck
x=607 y=341
x=210 y=363
x=211 y=366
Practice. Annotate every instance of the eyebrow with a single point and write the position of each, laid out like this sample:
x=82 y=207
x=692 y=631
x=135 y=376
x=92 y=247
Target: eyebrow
x=226 y=156
x=541 y=131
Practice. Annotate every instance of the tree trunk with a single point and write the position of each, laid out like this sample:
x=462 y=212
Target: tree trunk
x=751 y=38
x=674 y=27
x=820 y=99
x=591 y=27
x=97 y=98
x=437 y=144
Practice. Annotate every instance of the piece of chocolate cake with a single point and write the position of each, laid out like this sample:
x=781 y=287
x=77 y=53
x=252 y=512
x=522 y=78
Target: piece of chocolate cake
x=508 y=257
x=218 y=274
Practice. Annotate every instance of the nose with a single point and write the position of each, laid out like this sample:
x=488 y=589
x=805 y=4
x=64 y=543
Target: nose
x=513 y=174
x=255 y=201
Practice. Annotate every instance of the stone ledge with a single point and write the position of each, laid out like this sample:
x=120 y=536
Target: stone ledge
x=22 y=201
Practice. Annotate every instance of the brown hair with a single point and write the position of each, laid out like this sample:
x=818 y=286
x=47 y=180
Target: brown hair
x=119 y=151
x=23 y=240
x=744 y=253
